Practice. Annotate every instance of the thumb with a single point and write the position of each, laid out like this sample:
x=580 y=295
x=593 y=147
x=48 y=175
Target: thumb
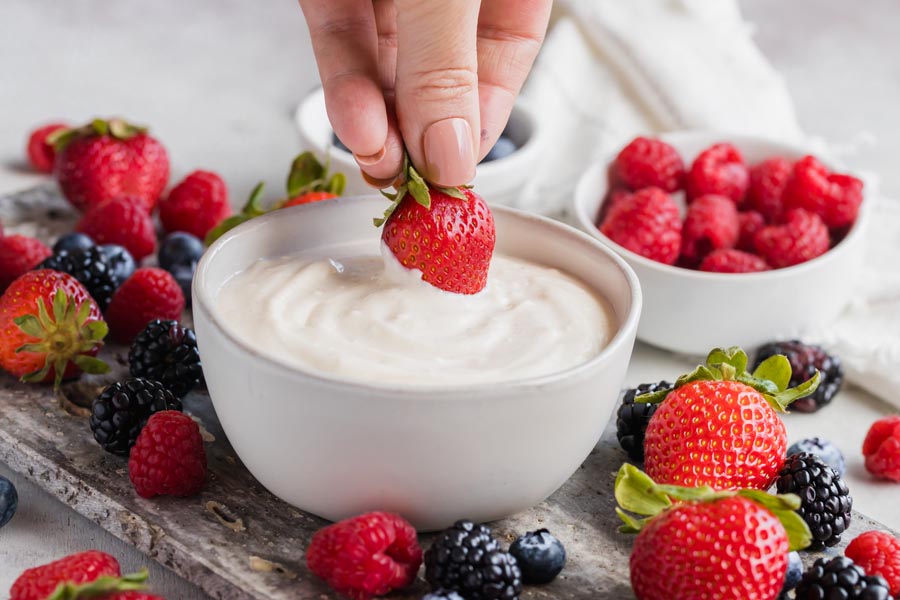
x=437 y=87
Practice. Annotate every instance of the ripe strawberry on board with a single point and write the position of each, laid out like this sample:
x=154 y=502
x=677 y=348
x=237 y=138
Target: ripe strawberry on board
x=123 y=221
x=647 y=223
x=699 y=543
x=41 y=154
x=50 y=328
x=446 y=233
x=719 y=426
x=38 y=583
x=196 y=205
x=834 y=197
x=107 y=159
x=18 y=255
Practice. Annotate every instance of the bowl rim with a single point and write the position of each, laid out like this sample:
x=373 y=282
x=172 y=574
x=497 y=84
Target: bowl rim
x=588 y=224
x=627 y=327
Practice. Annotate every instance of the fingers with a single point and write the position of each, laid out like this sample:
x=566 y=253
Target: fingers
x=437 y=87
x=510 y=33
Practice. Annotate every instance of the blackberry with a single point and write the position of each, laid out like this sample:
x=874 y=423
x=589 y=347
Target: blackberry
x=633 y=417
x=805 y=359
x=828 y=452
x=89 y=266
x=9 y=500
x=166 y=351
x=467 y=559
x=841 y=579
x=825 y=501
x=120 y=412
x=540 y=556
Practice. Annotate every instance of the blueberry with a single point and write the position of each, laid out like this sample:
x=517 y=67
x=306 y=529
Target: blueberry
x=338 y=143
x=179 y=249
x=503 y=148
x=121 y=263
x=71 y=242
x=184 y=275
x=9 y=500
x=794 y=572
x=540 y=556
x=442 y=595
x=828 y=452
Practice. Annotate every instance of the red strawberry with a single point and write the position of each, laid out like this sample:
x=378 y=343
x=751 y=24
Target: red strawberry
x=767 y=181
x=168 y=458
x=123 y=221
x=308 y=198
x=714 y=430
x=51 y=328
x=707 y=544
x=39 y=582
x=195 y=205
x=447 y=234
x=729 y=260
x=750 y=221
x=647 y=223
x=711 y=223
x=41 y=153
x=18 y=255
x=878 y=553
x=150 y=293
x=718 y=170
x=803 y=237
x=833 y=196
x=369 y=555
x=882 y=448
x=109 y=159
x=647 y=163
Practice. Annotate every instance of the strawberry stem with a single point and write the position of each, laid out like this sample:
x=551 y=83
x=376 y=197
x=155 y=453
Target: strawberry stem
x=100 y=586
x=412 y=183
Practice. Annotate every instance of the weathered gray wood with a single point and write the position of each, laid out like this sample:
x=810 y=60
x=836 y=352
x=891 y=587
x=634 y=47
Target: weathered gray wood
x=235 y=540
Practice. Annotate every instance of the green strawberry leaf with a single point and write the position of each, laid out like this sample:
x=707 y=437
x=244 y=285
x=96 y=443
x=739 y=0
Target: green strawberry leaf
x=453 y=192
x=783 y=399
x=30 y=325
x=772 y=501
x=305 y=171
x=254 y=207
x=631 y=525
x=419 y=188
x=91 y=364
x=337 y=183
x=636 y=492
x=102 y=586
x=777 y=369
x=784 y=507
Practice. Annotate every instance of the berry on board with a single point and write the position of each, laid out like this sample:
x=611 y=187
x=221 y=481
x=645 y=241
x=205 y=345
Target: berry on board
x=540 y=556
x=9 y=500
x=806 y=360
x=878 y=553
x=150 y=293
x=39 y=582
x=18 y=255
x=840 y=578
x=166 y=351
x=121 y=410
x=633 y=417
x=168 y=458
x=825 y=501
x=825 y=450
x=196 y=205
x=41 y=154
x=882 y=448
x=123 y=221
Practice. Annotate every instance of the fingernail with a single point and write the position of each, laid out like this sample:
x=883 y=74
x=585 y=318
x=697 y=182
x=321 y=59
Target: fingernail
x=377 y=183
x=370 y=159
x=449 y=156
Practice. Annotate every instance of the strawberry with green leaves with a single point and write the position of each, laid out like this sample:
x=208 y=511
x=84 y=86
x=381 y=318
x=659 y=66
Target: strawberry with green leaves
x=445 y=233
x=719 y=426
x=699 y=543
x=50 y=328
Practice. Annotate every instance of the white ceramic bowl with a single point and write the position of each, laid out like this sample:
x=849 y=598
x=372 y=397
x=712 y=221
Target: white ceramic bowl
x=693 y=311
x=337 y=448
x=499 y=181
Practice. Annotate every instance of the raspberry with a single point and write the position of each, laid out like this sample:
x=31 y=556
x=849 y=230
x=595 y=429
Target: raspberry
x=123 y=221
x=41 y=155
x=750 y=222
x=647 y=163
x=833 y=196
x=803 y=237
x=767 y=181
x=882 y=448
x=149 y=294
x=729 y=260
x=711 y=223
x=18 y=255
x=646 y=222
x=39 y=582
x=168 y=458
x=878 y=553
x=369 y=555
x=195 y=205
x=718 y=170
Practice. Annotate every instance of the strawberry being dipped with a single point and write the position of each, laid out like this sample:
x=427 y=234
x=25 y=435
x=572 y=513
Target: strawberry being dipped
x=719 y=426
x=707 y=544
x=51 y=328
x=446 y=233
x=107 y=159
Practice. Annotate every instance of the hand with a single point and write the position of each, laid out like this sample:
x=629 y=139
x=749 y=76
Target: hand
x=438 y=77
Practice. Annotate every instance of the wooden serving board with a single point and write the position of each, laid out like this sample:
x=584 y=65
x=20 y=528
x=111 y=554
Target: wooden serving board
x=236 y=540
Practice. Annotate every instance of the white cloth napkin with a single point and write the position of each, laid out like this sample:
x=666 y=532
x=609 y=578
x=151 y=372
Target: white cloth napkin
x=611 y=70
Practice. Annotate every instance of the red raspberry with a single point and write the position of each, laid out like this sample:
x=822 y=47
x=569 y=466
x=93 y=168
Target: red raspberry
x=646 y=222
x=195 y=205
x=369 y=555
x=878 y=553
x=123 y=221
x=803 y=237
x=41 y=154
x=718 y=170
x=729 y=260
x=168 y=458
x=882 y=449
x=767 y=181
x=39 y=582
x=150 y=293
x=18 y=255
x=750 y=222
x=647 y=163
x=711 y=223
x=833 y=196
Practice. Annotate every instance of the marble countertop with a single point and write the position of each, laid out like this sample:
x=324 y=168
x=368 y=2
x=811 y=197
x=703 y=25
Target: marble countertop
x=219 y=80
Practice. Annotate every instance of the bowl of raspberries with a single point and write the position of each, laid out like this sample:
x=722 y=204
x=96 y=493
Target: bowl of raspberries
x=735 y=239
